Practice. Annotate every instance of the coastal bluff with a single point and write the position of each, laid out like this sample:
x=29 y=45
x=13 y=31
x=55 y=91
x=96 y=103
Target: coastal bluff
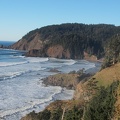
x=69 y=41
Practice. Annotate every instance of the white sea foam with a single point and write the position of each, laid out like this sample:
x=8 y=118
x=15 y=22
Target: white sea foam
x=64 y=61
x=70 y=62
x=36 y=59
x=21 y=90
x=31 y=105
x=20 y=56
x=5 y=64
x=27 y=60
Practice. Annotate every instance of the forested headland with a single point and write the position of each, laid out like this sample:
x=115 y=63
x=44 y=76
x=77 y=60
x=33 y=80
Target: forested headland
x=71 y=39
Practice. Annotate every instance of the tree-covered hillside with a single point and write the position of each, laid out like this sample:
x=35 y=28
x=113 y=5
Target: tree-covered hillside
x=112 y=52
x=75 y=37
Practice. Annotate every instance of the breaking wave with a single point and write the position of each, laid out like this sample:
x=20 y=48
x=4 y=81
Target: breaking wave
x=21 y=89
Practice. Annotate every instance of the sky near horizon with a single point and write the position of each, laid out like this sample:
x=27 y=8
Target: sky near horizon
x=18 y=17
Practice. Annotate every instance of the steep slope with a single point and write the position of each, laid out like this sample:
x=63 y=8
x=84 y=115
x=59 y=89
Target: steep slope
x=103 y=78
x=112 y=53
x=24 y=44
x=67 y=40
x=87 y=90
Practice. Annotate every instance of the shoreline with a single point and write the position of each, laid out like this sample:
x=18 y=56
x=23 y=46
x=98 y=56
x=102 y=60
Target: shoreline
x=92 y=71
x=96 y=68
x=59 y=85
x=60 y=93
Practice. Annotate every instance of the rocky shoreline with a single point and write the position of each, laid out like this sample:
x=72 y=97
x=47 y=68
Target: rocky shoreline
x=70 y=80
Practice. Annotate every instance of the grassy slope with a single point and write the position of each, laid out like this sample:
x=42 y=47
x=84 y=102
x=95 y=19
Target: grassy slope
x=108 y=75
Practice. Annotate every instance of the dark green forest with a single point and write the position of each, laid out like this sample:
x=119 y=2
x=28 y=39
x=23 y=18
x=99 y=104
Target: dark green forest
x=77 y=37
x=112 y=51
x=101 y=107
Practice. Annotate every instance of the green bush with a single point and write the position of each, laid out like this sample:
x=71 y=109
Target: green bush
x=74 y=114
x=101 y=107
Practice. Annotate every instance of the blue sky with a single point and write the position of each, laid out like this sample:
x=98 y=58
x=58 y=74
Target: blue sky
x=18 y=17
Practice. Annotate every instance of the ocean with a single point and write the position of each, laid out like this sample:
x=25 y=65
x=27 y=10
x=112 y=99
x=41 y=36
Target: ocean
x=21 y=88
x=6 y=43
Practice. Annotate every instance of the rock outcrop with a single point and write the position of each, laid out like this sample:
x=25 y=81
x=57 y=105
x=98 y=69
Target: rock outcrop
x=64 y=80
x=56 y=51
x=23 y=44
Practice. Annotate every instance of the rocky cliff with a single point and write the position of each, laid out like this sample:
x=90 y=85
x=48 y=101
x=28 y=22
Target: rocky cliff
x=67 y=40
x=56 y=51
x=23 y=44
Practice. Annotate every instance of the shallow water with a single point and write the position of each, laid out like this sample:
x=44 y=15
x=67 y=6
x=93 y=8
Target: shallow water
x=21 y=88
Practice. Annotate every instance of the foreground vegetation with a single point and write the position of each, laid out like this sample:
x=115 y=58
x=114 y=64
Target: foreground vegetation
x=100 y=107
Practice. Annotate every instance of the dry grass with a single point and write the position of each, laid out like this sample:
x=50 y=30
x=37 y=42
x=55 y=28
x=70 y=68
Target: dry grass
x=108 y=75
x=67 y=104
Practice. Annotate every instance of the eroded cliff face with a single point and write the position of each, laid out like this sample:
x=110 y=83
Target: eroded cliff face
x=34 y=43
x=37 y=48
x=89 y=57
x=58 y=51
